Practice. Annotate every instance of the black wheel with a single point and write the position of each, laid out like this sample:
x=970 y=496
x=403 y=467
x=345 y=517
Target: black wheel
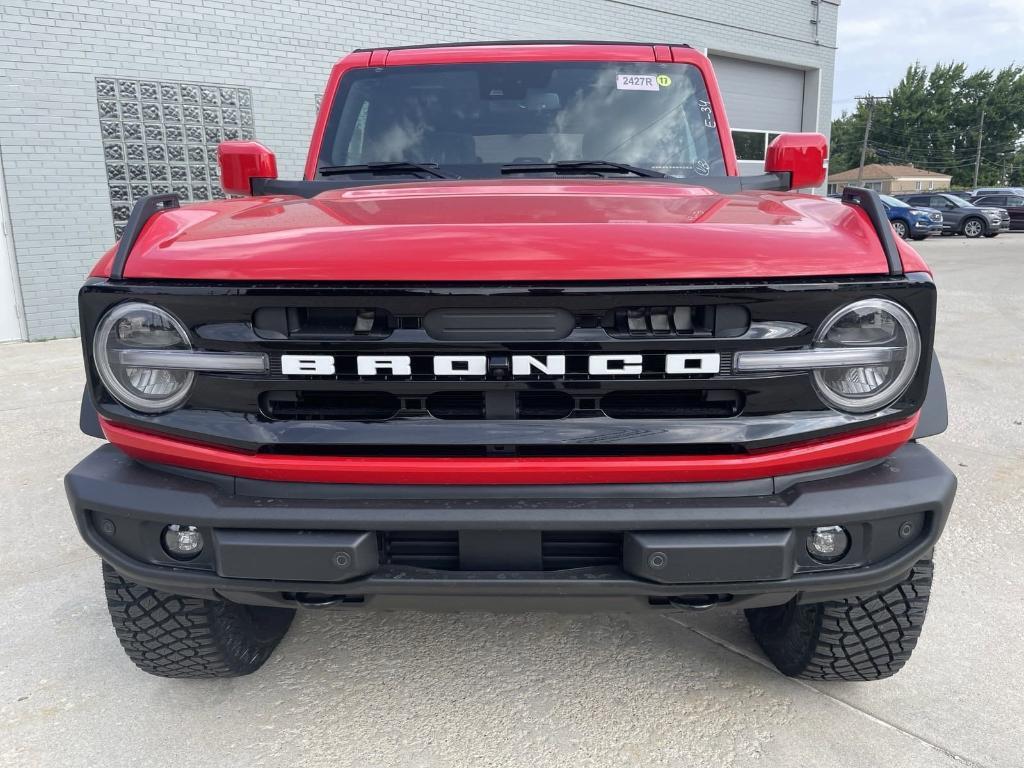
x=991 y=234
x=973 y=227
x=188 y=637
x=867 y=637
x=901 y=228
x=920 y=237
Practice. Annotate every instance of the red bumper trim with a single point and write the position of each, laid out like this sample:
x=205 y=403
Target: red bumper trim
x=791 y=459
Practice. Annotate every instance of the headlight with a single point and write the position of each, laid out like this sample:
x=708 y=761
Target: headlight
x=879 y=325
x=132 y=327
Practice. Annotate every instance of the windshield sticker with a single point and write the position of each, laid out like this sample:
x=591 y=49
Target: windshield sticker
x=702 y=168
x=709 y=115
x=664 y=81
x=637 y=83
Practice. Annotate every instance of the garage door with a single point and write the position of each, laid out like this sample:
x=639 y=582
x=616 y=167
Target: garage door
x=761 y=96
x=761 y=101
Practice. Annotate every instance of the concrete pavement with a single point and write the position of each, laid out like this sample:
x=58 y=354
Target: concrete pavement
x=420 y=689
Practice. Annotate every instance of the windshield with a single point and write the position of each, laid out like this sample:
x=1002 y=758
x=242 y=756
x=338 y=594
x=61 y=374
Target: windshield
x=892 y=202
x=472 y=119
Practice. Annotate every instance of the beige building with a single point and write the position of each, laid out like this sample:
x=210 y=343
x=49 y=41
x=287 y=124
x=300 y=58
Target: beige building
x=890 y=179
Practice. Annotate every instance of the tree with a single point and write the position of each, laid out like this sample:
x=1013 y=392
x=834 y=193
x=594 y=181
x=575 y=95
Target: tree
x=931 y=120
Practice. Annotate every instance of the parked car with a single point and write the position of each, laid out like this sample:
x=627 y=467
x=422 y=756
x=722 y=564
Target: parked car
x=911 y=221
x=960 y=217
x=1011 y=203
x=982 y=191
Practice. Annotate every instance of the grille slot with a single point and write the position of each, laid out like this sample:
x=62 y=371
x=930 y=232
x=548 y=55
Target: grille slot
x=341 y=406
x=580 y=549
x=560 y=550
x=721 y=321
x=422 y=549
x=544 y=405
x=685 y=404
x=456 y=405
x=322 y=323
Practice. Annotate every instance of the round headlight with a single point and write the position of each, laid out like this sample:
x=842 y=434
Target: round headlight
x=869 y=323
x=138 y=326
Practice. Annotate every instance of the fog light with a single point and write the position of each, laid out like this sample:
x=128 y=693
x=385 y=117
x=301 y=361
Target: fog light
x=183 y=542
x=828 y=543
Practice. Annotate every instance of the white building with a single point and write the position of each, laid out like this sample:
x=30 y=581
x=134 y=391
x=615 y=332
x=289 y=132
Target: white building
x=103 y=101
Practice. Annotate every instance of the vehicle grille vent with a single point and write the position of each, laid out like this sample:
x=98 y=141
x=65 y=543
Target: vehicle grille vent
x=723 y=321
x=323 y=323
x=580 y=549
x=560 y=550
x=422 y=549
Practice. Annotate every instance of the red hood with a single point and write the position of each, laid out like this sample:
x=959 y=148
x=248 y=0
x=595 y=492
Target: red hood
x=514 y=230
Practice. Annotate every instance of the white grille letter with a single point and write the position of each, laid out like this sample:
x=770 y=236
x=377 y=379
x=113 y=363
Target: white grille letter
x=370 y=365
x=707 y=362
x=307 y=365
x=456 y=365
x=616 y=365
x=524 y=365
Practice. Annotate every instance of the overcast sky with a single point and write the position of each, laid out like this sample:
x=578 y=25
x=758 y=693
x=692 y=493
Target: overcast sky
x=878 y=39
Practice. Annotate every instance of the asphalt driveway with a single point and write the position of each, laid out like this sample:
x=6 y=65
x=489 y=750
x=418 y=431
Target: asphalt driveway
x=421 y=689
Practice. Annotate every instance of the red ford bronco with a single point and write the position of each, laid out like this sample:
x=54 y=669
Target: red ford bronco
x=521 y=336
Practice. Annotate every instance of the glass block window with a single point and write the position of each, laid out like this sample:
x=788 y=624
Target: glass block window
x=161 y=137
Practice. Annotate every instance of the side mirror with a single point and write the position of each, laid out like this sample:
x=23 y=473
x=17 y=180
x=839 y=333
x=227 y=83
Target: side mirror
x=242 y=161
x=804 y=156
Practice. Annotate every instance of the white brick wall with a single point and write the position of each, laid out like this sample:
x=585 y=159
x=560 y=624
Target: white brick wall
x=51 y=53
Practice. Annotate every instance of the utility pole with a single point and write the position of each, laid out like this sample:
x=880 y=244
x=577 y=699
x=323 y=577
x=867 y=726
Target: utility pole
x=867 y=131
x=977 y=157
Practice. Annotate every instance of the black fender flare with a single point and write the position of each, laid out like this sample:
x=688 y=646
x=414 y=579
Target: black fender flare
x=935 y=411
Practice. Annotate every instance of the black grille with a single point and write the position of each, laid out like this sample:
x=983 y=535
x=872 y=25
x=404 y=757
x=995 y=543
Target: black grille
x=560 y=550
x=322 y=323
x=580 y=549
x=500 y=412
x=341 y=406
x=422 y=549
x=502 y=404
x=724 y=321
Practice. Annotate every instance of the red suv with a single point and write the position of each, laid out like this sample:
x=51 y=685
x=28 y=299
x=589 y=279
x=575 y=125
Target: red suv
x=521 y=335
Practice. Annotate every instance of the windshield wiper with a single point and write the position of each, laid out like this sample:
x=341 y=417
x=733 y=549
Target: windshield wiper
x=581 y=166
x=398 y=167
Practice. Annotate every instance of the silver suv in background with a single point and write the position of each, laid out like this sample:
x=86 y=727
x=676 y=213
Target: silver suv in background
x=960 y=217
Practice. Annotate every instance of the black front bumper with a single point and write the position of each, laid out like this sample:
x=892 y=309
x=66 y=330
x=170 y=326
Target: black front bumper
x=696 y=544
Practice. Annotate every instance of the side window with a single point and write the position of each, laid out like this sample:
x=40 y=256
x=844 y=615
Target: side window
x=750 y=145
x=1014 y=201
x=937 y=201
x=931 y=185
x=918 y=185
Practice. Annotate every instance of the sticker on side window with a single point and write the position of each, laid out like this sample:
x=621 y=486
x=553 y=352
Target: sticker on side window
x=637 y=83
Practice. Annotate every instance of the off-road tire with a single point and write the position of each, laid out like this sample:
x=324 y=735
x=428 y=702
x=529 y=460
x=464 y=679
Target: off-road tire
x=188 y=637
x=973 y=227
x=867 y=637
x=902 y=229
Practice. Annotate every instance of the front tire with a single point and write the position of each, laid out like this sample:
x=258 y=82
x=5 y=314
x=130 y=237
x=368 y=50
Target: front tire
x=973 y=228
x=902 y=230
x=187 y=637
x=867 y=637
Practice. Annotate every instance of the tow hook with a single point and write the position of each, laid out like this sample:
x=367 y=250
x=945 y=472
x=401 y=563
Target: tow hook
x=699 y=602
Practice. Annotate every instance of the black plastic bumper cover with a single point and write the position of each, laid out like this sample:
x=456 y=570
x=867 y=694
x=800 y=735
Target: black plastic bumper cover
x=740 y=539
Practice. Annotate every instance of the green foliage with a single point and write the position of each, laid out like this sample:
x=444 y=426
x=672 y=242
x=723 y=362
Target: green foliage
x=930 y=121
